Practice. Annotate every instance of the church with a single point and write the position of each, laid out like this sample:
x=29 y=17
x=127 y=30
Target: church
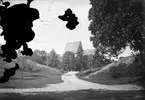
x=76 y=47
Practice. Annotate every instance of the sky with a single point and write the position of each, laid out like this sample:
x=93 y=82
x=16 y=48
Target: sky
x=51 y=32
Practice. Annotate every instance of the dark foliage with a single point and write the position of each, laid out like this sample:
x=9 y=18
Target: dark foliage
x=8 y=73
x=16 y=22
x=116 y=24
x=70 y=18
x=81 y=62
x=128 y=67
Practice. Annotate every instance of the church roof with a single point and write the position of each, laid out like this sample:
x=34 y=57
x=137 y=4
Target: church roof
x=73 y=46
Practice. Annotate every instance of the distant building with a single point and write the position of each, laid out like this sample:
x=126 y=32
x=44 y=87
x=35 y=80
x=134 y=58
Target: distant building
x=89 y=52
x=75 y=47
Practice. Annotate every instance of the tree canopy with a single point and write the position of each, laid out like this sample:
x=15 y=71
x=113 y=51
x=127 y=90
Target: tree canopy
x=68 y=60
x=17 y=22
x=53 y=59
x=116 y=24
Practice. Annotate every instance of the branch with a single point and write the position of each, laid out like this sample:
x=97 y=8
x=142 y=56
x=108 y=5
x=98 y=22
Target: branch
x=49 y=9
x=28 y=2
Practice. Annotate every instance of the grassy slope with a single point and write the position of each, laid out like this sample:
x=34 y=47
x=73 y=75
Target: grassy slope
x=104 y=75
x=36 y=75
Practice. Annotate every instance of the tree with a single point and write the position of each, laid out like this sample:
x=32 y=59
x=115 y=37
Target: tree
x=99 y=58
x=116 y=24
x=17 y=22
x=53 y=59
x=42 y=54
x=68 y=60
x=39 y=57
x=90 y=59
x=81 y=62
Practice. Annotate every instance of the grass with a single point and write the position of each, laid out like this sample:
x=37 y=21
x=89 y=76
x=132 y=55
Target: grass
x=110 y=81
x=77 y=95
x=38 y=76
x=31 y=80
x=129 y=73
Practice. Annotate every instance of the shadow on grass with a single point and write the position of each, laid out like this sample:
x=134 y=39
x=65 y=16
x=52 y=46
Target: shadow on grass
x=77 y=95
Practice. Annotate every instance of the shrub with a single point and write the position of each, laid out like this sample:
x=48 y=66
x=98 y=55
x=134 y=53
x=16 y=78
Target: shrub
x=118 y=71
x=130 y=67
x=38 y=59
x=114 y=72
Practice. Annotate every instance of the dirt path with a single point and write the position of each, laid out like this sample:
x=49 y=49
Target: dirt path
x=71 y=82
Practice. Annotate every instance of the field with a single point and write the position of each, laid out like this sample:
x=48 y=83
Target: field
x=35 y=75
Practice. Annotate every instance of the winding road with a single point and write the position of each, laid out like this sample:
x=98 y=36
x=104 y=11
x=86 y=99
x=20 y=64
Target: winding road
x=73 y=83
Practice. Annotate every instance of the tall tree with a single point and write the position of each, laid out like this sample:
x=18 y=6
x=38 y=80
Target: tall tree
x=90 y=59
x=81 y=62
x=53 y=59
x=116 y=24
x=68 y=60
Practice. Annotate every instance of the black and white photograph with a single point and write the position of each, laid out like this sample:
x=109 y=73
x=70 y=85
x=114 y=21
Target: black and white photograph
x=72 y=49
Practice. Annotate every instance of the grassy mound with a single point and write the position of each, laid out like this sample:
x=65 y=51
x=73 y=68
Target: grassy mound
x=31 y=74
x=126 y=70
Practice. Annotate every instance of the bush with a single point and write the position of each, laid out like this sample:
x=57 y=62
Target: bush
x=38 y=59
x=118 y=71
x=130 y=67
x=114 y=72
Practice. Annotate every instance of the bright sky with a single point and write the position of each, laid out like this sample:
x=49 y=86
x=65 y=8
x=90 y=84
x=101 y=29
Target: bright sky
x=53 y=34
